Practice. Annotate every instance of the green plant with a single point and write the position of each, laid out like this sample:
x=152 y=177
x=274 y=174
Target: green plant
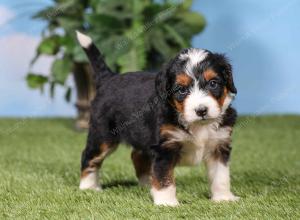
x=131 y=34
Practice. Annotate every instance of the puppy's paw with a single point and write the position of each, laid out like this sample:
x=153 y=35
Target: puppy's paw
x=90 y=182
x=225 y=197
x=96 y=187
x=165 y=196
x=171 y=203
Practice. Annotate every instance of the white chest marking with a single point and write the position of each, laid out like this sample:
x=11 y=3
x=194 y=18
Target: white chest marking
x=202 y=140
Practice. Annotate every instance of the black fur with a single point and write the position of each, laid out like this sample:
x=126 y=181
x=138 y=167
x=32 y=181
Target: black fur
x=100 y=68
x=225 y=152
x=132 y=108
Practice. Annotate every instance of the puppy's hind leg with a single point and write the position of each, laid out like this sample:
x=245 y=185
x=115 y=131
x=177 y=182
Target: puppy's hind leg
x=92 y=157
x=142 y=165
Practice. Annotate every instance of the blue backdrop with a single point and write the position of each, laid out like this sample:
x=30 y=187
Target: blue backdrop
x=261 y=38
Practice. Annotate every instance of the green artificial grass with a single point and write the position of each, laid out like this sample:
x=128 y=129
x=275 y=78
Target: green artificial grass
x=39 y=175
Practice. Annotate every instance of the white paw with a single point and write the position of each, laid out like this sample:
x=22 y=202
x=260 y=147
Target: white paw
x=165 y=196
x=90 y=182
x=96 y=188
x=224 y=197
x=172 y=203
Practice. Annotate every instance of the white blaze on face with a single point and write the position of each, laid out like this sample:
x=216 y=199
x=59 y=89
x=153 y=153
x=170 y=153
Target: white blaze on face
x=198 y=98
x=194 y=56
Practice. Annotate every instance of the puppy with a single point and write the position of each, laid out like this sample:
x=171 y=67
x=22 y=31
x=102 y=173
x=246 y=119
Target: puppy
x=180 y=115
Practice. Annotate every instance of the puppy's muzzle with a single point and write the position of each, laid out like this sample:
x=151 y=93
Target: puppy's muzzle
x=201 y=111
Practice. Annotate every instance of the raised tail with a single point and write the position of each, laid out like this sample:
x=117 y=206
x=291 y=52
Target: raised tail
x=101 y=70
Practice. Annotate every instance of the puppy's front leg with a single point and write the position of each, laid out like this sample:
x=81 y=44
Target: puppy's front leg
x=219 y=175
x=163 y=188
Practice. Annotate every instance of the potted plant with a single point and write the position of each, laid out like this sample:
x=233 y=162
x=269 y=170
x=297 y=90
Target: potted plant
x=132 y=35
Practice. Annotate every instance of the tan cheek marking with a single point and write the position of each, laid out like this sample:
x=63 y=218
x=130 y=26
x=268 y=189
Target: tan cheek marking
x=183 y=79
x=209 y=74
x=223 y=97
x=179 y=106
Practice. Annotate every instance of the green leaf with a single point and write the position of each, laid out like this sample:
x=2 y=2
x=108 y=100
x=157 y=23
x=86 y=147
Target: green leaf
x=35 y=81
x=135 y=57
x=79 y=55
x=176 y=36
x=68 y=94
x=61 y=69
x=49 y=46
x=104 y=21
x=73 y=49
x=44 y=14
x=187 y=4
x=52 y=89
x=131 y=34
x=60 y=9
x=134 y=60
x=158 y=42
x=113 y=48
x=153 y=10
x=69 y=24
x=116 y=8
x=137 y=7
x=193 y=20
x=68 y=42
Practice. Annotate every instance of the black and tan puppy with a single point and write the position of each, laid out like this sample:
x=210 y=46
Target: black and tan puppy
x=177 y=116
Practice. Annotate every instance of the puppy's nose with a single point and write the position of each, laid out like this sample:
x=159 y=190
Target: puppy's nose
x=201 y=111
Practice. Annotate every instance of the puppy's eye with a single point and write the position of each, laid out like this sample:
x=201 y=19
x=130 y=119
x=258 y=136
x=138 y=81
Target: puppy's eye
x=183 y=91
x=213 y=84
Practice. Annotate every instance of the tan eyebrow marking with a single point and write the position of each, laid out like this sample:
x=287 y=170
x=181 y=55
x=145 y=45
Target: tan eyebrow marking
x=183 y=79
x=209 y=74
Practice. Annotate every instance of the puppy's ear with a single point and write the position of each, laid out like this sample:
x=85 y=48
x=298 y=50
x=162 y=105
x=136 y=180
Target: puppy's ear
x=162 y=84
x=229 y=78
x=227 y=72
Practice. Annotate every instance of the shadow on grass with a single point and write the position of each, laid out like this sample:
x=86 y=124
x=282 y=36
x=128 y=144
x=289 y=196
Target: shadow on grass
x=120 y=183
x=244 y=183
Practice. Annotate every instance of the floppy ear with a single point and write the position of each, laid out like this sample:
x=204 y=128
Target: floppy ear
x=162 y=84
x=227 y=72
x=229 y=78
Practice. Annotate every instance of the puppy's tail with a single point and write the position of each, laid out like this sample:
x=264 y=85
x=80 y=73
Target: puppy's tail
x=101 y=70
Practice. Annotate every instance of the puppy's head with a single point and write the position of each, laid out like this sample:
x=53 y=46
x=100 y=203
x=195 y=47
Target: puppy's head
x=198 y=84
